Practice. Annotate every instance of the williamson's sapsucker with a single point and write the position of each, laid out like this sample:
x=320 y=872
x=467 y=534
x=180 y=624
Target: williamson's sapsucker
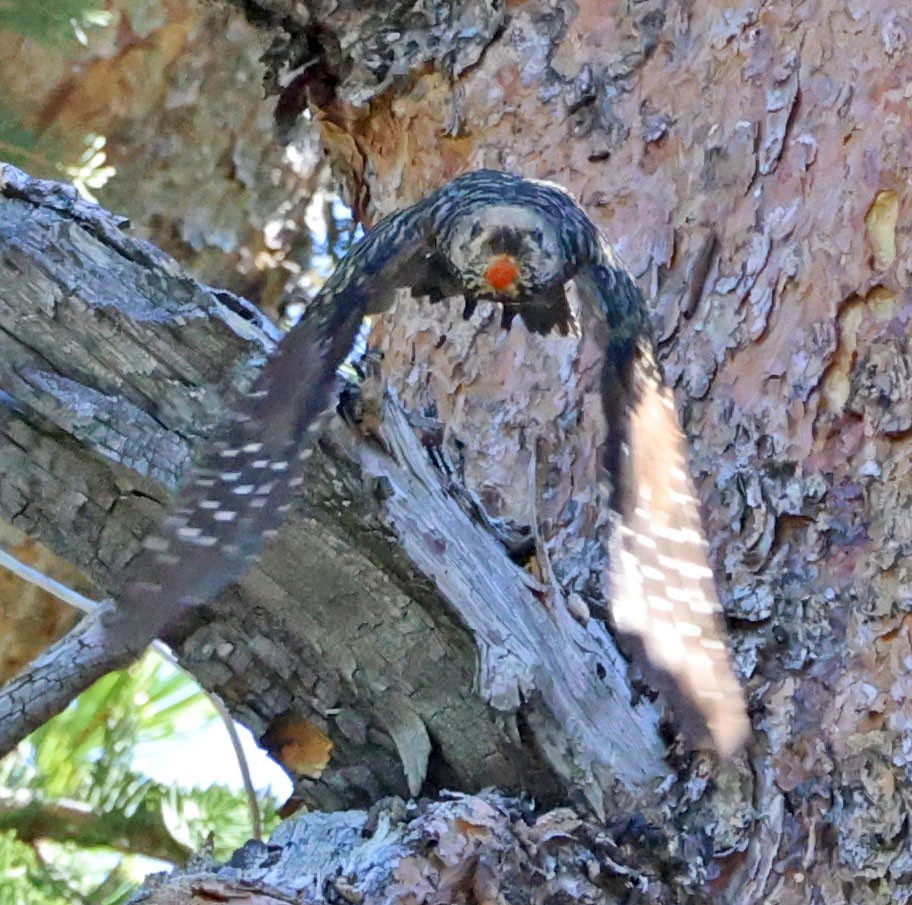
x=485 y=235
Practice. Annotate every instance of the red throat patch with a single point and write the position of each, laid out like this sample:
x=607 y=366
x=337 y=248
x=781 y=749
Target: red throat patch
x=502 y=273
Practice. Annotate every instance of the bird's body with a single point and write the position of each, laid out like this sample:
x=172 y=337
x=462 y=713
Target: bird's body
x=485 y=235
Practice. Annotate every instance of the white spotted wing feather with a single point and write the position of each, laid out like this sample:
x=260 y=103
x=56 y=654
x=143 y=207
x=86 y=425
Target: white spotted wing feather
x=663 y=595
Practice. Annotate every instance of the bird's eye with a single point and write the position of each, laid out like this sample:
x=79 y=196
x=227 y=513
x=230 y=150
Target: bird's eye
x=476 y=231
x=537 y=236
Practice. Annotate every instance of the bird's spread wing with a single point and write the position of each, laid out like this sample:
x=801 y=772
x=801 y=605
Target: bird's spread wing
x=240 y=492
x=661 y=589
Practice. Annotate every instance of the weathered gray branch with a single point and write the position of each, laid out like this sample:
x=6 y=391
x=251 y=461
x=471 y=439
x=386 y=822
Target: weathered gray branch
x=381 y=618
x=52 y=680
x=483 y=848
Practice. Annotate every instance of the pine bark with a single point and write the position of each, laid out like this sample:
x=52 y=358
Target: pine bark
x=749 y=164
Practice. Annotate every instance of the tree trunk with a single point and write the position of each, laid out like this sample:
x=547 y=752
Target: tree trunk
x=175 y=91
x=705 y=141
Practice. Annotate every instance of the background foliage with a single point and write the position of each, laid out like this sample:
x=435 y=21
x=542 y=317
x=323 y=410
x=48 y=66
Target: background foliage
x=79 y=823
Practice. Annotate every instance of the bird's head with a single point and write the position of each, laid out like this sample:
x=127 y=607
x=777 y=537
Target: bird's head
x=507 y=253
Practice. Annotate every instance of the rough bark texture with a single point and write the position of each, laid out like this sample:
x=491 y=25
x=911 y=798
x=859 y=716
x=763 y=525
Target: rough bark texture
x=459 y=849
x=750 y=163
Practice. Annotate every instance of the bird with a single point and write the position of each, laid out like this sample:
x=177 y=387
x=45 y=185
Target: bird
x=493 y=236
